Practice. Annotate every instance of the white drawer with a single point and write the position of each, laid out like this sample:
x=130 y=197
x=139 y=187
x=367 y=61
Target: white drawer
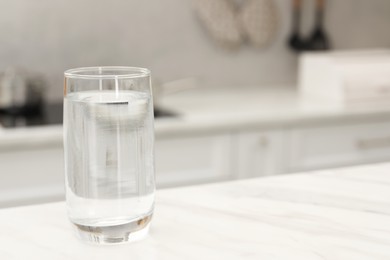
x=321 y=147
x=190 y=160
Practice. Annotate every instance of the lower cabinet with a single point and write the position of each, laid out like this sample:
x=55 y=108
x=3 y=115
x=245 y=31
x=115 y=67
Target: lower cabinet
x=259 y=153
x=193 y=159
x=31 y=175
x=35 y=173
x=332 y=146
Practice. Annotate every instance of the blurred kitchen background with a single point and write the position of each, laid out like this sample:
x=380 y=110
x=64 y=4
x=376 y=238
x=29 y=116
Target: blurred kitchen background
x=237 y=98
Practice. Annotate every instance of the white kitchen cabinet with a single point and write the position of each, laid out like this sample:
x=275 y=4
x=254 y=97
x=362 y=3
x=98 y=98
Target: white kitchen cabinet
x=32 y=171
x=32 y=174
x=193 y=159
x=338 y=145
x=260 y=153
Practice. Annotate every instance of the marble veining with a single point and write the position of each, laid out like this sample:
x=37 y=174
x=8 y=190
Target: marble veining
x=330 y=214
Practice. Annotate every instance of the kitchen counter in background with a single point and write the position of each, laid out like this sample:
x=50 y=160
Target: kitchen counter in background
x=215 y=109
x=332 y=214
x=217 y=134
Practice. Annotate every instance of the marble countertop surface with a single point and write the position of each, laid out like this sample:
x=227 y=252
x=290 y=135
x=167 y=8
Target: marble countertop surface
x=333 y=214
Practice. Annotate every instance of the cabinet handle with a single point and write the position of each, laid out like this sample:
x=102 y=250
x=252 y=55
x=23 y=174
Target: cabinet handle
x=373 y=143
x=263 y=141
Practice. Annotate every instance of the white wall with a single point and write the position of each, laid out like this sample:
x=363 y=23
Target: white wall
x=164 y=35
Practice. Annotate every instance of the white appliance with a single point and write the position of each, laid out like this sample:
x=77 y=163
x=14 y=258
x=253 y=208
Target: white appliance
x=345 y=76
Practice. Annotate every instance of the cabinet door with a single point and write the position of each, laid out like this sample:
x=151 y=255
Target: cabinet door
x=260 y=153
x=31 y=175
x=332 y=146
x=192 y=159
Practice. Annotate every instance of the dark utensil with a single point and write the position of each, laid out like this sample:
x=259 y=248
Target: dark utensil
x=295 y=41
x=318 y=39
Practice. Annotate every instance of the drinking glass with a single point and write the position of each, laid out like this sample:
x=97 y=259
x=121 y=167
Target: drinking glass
x=109 y=152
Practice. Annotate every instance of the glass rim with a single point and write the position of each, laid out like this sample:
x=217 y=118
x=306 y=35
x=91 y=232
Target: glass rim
x=126 y=72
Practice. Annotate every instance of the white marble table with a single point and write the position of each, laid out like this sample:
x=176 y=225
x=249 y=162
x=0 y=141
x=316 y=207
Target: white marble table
x=334 y=214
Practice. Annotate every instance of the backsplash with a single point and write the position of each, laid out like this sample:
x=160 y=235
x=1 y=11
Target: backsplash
x=50 y=36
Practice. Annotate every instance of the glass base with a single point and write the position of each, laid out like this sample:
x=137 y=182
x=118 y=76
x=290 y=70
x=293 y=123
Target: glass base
x=128 y=232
